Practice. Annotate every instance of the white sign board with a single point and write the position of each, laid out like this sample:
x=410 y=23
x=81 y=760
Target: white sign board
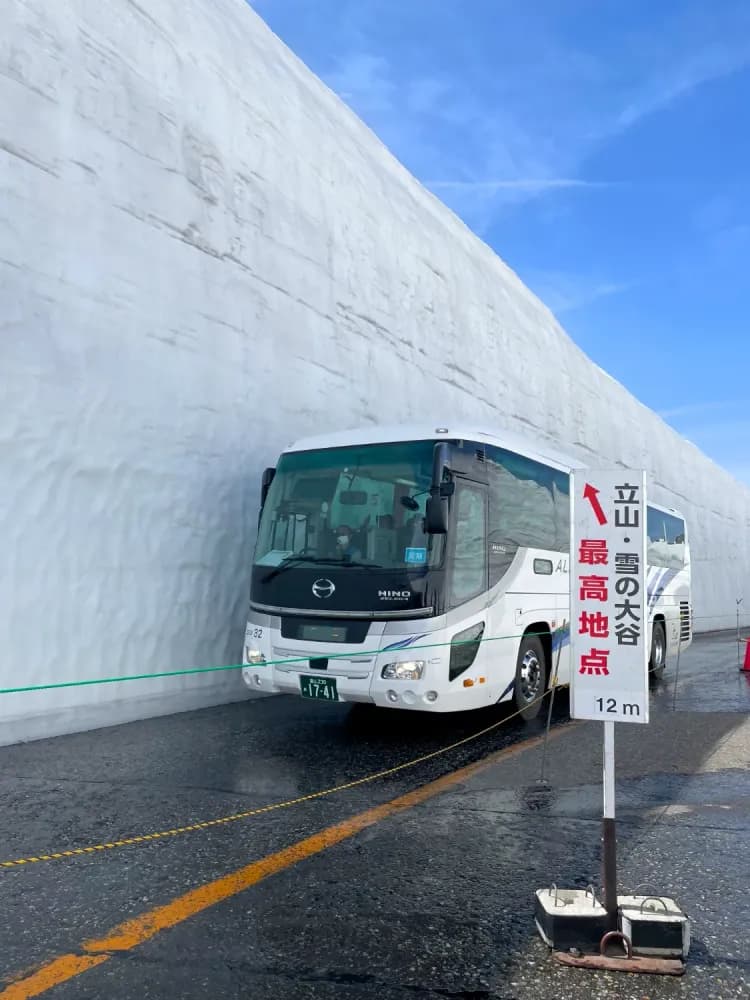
x=608 y=599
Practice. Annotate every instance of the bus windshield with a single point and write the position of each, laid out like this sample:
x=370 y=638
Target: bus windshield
x=360 y=506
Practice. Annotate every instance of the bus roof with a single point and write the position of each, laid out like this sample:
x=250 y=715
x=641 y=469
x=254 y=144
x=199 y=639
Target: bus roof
x=434 y=432
x=542 y=451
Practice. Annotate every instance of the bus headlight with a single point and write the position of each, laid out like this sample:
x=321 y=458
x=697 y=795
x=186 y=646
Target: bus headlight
x=254 y=657
x=406 y=670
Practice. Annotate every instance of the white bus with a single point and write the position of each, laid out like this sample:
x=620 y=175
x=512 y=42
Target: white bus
x=424 y=568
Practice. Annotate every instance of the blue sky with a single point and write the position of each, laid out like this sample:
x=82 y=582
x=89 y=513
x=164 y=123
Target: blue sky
x=601 y=147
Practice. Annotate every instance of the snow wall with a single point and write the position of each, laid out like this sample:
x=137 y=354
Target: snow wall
x=203 y=255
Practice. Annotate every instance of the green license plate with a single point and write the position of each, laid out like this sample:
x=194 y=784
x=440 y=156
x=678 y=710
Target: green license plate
x=318 y=687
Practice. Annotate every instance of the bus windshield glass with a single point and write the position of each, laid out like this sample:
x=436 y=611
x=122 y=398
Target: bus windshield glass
x=361 y=506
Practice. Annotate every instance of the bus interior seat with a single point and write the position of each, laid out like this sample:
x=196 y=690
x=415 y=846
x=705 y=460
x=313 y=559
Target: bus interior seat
x=382 y=540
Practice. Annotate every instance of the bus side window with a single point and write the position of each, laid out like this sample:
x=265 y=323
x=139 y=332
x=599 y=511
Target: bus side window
x=501 y=541
x=469 y=576
x=666 y=539
x=529 y=506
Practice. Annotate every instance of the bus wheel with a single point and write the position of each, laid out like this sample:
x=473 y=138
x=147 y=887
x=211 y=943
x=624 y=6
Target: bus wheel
x=658 y=661
x=531 y=677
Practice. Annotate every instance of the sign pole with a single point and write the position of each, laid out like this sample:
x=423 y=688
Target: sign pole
x=609 y=604
x=610 y=612
x=739 y=641
x=609 y=833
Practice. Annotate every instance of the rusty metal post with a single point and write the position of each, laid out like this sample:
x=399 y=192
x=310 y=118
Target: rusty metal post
x=609 y=831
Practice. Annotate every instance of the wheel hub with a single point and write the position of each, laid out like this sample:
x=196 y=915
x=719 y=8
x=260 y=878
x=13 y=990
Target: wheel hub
x=658 y=651
x=531 y=676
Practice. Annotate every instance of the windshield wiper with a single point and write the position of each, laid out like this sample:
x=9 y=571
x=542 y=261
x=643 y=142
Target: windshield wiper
x=315 y=560
x=294 y=560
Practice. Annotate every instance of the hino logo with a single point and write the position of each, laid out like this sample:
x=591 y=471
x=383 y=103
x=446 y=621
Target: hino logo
x=394 y=595
x=323 y=588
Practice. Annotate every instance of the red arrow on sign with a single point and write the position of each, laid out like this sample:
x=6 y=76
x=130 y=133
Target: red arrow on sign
x=592 y=495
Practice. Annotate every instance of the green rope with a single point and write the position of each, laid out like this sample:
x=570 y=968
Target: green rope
x=239 y=666
x=275 y=663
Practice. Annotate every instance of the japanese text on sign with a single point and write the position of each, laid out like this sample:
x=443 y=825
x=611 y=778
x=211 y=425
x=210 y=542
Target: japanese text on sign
x=609 y=607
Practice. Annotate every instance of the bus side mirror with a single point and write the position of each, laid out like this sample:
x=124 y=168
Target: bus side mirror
x=436 y=514
x=436 y=508
x=265 y=485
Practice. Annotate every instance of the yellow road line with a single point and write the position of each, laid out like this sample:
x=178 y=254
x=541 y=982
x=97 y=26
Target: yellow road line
x=261 y=810
x=132 y=933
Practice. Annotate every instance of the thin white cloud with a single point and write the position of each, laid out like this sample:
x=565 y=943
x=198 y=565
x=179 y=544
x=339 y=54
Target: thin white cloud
x=364 y=81
x=708 y=64
x=532 y=184
x=426 y=94
x=565 y=292
x=489 y=125
x=705 y=406
x=489 y=141
x=601 y=291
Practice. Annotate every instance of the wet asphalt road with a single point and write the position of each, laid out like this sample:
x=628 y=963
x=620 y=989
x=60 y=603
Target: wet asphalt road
x=435 y=901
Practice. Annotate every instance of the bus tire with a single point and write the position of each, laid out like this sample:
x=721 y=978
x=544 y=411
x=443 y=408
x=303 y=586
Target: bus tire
x=531 y=677
x=658 y=660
